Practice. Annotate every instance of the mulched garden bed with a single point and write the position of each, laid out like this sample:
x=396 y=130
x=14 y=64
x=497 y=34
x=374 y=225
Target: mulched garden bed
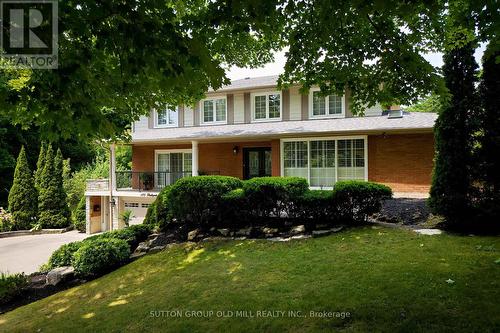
x=406 y=211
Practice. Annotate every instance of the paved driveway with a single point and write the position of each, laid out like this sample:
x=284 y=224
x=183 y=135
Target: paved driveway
x=27 y=253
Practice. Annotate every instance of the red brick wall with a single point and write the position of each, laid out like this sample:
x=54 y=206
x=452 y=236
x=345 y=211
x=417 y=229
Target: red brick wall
x=212 y=156
x=143 y=157
x=404 y=161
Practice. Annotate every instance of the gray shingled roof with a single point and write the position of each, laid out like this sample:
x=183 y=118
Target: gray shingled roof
x=251 y=82
x=267 y=130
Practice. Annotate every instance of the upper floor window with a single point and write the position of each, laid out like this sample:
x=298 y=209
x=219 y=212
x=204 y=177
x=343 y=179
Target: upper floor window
x=266 y=106
x=329 y=106
x=166 y=117
x=214 y=111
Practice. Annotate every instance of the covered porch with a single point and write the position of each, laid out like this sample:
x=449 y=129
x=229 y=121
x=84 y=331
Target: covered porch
x=155 y=166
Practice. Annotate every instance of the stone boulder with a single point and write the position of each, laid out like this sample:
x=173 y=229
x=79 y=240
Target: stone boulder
x=161 y=239
x=244 y=232
x=297 y=230
x=137 y=255
x=55 y=276
x=269 y=232
x=142 y=247
x=193 y=234
x=224 y=232
x=157 y=249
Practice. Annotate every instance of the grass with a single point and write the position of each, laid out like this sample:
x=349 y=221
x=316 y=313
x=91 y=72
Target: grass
x=387 y=279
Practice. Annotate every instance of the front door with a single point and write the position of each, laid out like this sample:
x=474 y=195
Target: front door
x=256 y=162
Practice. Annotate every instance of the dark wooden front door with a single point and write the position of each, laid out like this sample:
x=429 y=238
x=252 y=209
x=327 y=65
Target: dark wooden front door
x=256 y=162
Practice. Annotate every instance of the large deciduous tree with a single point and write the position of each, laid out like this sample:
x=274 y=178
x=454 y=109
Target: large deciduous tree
x=375 y=49
x=118 y=59
x=23 y=195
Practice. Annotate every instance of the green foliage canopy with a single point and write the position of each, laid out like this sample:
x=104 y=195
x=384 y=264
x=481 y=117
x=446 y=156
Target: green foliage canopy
x=118 y=59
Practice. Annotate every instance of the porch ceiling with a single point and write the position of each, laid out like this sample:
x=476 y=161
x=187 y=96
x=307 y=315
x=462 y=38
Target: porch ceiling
x=412 y=122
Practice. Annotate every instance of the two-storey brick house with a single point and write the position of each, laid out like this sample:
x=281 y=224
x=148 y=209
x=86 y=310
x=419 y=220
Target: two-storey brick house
x=250 y=129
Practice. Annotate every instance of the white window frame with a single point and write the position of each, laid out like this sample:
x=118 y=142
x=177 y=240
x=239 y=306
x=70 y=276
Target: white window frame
x=265 y=93
x=176 y=120
x=327 y=115
x=214 y=110
x=308 y=140
x=168 y=151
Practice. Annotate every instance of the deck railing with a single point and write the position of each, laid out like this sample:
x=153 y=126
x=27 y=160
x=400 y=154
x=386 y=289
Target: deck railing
x=150 y=180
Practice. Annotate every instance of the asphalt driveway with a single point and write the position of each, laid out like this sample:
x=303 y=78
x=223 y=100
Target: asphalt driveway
x=26 y=253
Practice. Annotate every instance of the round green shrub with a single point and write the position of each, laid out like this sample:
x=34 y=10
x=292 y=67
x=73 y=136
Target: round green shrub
x=99 y=256
x=141 y=231
x=198 y=200
x=125 y=234
x=133 y=235
x=63 y=256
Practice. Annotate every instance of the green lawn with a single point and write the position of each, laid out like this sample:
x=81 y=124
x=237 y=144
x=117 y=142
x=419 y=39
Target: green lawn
x=387 y=279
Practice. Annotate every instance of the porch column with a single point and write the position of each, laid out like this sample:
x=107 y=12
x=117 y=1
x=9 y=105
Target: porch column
x=112 y=169
x=87 y=215
x=194 y=158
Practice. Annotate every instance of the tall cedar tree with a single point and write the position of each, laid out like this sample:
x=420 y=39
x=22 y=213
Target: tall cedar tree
x=23 y=195
x=62 y=198
x=40 y=164
x=51 y=213
x=449 y=195
x=489 y=151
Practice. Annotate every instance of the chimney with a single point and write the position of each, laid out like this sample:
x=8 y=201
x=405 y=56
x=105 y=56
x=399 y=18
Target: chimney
x=395 y=112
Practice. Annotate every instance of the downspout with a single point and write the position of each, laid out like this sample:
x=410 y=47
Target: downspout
x=111 y=183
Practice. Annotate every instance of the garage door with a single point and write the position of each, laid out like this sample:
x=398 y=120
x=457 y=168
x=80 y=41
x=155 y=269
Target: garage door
x=138 y=209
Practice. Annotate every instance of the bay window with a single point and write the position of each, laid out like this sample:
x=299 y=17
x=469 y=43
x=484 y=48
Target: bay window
x=329 y=106
x=325 y=161
x=266 y=106
x=214 y=111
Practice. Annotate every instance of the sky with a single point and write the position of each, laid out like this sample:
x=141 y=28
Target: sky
x=235 y=73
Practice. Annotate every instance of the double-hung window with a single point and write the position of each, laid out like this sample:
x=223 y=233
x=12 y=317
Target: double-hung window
x=166 y=117
x=325 y=161
x=266 y=106
x=214 y=111
x=329 y=106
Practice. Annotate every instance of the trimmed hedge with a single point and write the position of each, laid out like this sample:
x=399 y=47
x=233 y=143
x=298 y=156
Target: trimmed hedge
x=272 y=196
x=356 y=200
x=99 y=256
x=198 y=200
x=317 y=205
x=218 y=201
